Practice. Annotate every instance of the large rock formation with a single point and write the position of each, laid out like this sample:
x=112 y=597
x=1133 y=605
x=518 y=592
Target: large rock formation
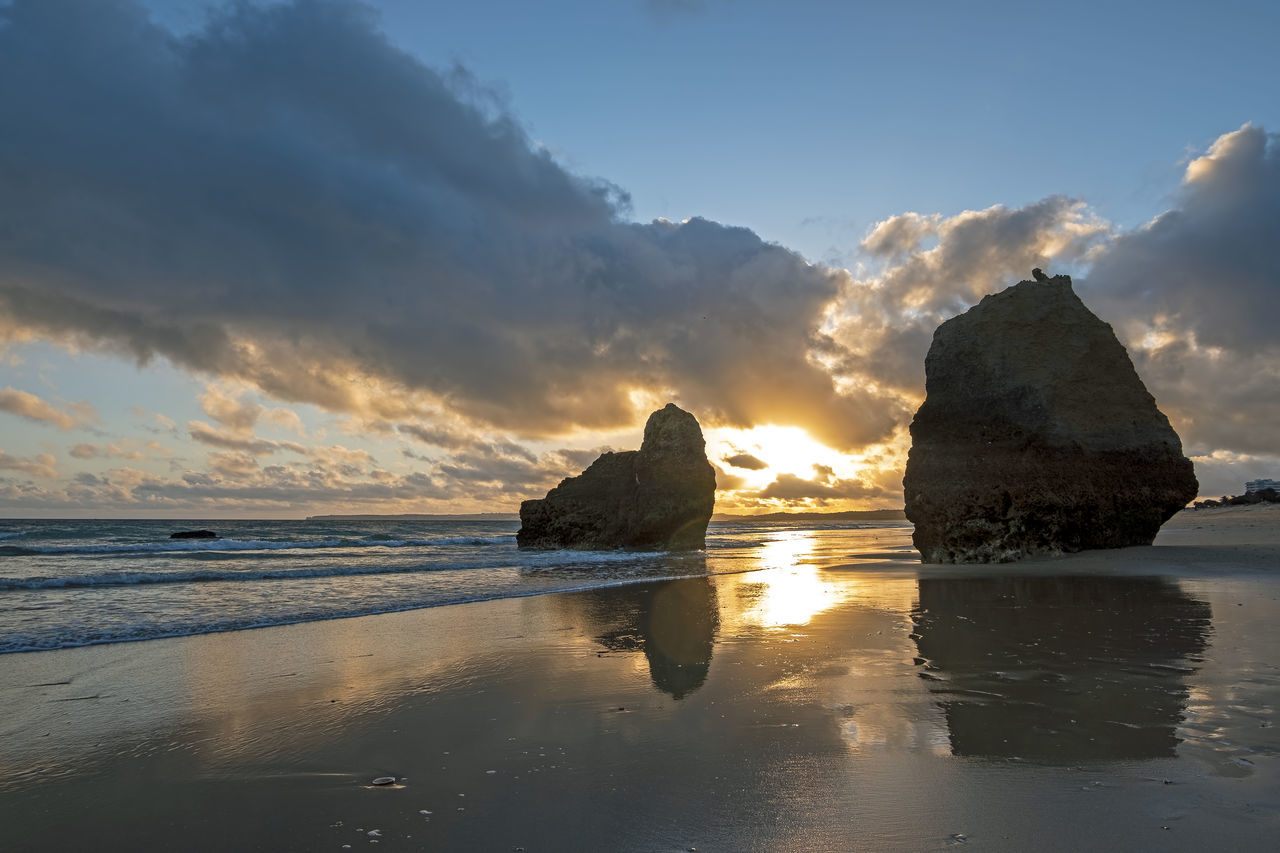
x=1036 y=435
x=659 y=496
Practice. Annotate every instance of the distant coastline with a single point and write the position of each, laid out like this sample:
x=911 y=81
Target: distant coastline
x=847 y=515
x=415 y=516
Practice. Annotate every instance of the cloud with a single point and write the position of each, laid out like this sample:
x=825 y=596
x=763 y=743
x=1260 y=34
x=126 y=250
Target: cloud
x=934 y=267
x=443 y=437
x=1224 y=472
x=824 y=487
x=726 y=482
x=230 y=440
x=234 y=483
x=241 y=415
x=508 y=467
x=746 y=461
x=1191 y=294
x=1194 y=294
x=42 y=466
x=285 y=200
x=233 y=464
x=123 y=450
x=33 y=408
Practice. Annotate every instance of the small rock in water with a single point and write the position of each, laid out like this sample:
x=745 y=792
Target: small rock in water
x=384 y=780
x=193 y=534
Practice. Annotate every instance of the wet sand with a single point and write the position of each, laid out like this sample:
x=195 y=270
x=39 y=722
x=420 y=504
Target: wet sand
x=834 y=701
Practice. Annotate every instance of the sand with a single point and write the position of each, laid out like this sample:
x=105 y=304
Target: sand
x=1108 y=700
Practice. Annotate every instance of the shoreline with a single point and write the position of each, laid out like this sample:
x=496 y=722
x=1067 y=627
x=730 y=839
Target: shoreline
x=783 y=708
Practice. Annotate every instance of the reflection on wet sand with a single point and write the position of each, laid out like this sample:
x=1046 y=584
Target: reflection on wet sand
x=673 y=622
x=1060 y=669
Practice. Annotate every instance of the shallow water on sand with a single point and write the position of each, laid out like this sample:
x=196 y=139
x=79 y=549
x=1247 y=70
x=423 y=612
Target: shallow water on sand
x=830 y=699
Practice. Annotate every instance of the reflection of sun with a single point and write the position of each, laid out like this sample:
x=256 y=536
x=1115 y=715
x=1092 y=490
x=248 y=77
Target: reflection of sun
x=786 y=592
x=786 y=550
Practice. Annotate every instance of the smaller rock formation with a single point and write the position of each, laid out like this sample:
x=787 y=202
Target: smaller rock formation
x=1038 y=275
x=659 y=496
x=1036 y=436
x=193 y=534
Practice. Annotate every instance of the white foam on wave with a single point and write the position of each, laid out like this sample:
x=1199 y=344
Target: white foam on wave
x=206 y=576
x=477 y=541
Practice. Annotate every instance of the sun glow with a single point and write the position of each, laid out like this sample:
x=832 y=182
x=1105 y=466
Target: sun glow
x=782 y=449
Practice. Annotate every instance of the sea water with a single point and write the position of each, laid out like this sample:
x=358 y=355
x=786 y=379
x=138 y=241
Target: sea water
x=81 y=582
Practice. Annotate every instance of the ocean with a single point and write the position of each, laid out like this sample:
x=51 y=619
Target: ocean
x=82 y=582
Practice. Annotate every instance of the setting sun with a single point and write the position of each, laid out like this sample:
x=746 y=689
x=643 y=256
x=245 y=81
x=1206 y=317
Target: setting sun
x=782 y=449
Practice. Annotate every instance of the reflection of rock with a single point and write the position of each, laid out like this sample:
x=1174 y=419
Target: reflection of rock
x=1037 y=436
x=660 y=496
x=673 y=622
x=1060 y=669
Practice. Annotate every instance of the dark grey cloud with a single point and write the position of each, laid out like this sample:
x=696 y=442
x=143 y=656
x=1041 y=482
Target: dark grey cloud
x=285 y=199
x=1210 y=265
x=746 y=461
x=725 y=481
x=434 y=434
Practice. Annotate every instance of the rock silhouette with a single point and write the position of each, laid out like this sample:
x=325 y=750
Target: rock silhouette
x=660 y=496
x=1036 y=436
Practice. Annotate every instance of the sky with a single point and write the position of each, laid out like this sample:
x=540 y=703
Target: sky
x=276 y=259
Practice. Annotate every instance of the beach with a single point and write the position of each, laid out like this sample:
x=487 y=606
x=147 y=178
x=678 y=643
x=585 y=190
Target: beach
x=833 y=695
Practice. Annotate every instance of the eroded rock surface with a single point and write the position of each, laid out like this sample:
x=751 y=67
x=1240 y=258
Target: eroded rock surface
x=659 y=496
x=1036 y=436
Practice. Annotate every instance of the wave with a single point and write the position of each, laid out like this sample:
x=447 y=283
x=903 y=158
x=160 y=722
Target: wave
x=13 y=534
x=17 y=643
x=178 y=546
x=536 y=562
x=200 y=576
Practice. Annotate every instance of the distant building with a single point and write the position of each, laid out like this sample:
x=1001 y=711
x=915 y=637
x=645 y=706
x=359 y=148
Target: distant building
x=1259 y=485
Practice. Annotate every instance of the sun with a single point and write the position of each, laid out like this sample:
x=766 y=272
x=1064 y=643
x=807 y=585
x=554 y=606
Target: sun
x=781 y=450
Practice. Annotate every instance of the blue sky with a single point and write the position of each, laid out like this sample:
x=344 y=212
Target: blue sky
x=302 y=276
